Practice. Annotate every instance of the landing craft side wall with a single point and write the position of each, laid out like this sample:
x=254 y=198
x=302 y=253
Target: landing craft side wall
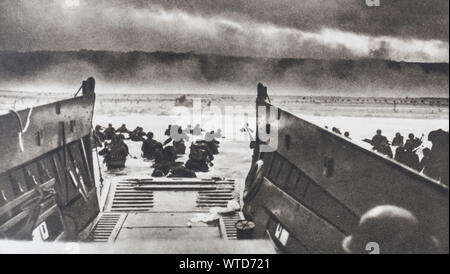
x=47 y=122
x=317 y=184
x=56 y=146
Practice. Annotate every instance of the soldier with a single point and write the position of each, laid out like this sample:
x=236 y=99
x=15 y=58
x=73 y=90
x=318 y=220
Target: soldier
x=159 y=154
x=115 y=153
x=180 y=147
x=378 y=139
x=385 y=148
x=97 y=137
x=415 y=142
x=177 y=135
x=167 y=132
x=212 y=135
x=148 y=146
x=162 y=165
x=439 y=155
x=410 y=158
x=398 y=140
x=123 y=129
x=390 y=230
x=200 y=158
x=99 y=133
x=109 y=132
x=164 y=160
x=171 y=153
x=400 y=154
x=137 y=135
x=347 y=135
x=426 y=166
x=141 y=133
x=336 y=130
x=212 y=146
x=96 y=142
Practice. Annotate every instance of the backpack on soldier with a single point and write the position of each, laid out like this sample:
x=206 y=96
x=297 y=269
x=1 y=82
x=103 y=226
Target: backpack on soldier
x=180 y=147
x=201 y=166
x=200 y=155
x=182 y=172
x=171 y=153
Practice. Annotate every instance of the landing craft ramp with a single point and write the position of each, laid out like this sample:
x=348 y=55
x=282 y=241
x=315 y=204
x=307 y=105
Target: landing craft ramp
x=155 y=209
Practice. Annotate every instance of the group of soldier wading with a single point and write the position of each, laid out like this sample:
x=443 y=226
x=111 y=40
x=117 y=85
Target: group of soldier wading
x=115 y=151
x=434 y=162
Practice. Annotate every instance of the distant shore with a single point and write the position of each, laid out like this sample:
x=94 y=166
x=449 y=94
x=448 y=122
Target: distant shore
x=161 y=104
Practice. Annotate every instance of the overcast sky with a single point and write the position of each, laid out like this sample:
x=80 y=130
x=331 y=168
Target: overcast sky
x=406 y=30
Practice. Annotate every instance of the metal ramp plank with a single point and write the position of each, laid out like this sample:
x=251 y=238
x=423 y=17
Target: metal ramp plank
x=106 y=227
x=228 y=222
x=127 y=198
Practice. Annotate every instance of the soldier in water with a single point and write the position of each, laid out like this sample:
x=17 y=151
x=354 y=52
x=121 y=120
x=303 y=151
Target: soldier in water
x=347 y=135
x=137 y=135
x=426 y=165
x=410 y=158
x=115 y=154
x=400 y=154
x=109 y=132
x=414 y=141
x=385 y=149
x=98 y=137
x=336 y=130
x=398 y=140
x=163 y=161
x=148 y=146
x=378 y=139
x=99 y=132
x=439 y=155
x=177 y=136
x=123 y=129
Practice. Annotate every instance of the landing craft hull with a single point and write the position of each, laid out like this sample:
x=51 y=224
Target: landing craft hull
x=316 y=185
x=47 y=170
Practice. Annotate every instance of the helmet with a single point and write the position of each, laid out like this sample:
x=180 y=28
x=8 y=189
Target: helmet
x=393 y=230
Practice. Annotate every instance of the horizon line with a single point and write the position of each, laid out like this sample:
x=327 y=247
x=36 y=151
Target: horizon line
x=218 y=55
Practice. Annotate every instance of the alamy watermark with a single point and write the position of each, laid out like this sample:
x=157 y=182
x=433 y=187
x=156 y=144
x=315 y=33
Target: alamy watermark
x=373 y=3
x=231 y=121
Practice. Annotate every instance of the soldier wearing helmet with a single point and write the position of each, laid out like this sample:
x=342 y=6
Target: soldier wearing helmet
x=392 y=230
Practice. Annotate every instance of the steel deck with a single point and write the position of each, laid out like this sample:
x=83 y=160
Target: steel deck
x=157 y=209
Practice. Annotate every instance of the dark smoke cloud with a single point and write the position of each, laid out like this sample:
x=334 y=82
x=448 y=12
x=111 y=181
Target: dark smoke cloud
x=404 y=18
x=192 y=73
x=407 y=30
